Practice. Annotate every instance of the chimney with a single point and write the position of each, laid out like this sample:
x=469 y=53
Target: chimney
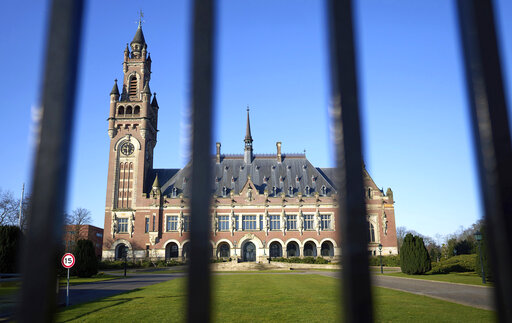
x=279 y=159
x=218 y=153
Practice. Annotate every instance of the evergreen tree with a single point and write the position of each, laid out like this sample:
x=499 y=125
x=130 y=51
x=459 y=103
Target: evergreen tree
x=10 y=237
x=86 y=263
x=414 y=257
x=485 y=257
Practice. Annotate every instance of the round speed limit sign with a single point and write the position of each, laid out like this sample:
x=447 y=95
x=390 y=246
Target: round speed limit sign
x=68 y=260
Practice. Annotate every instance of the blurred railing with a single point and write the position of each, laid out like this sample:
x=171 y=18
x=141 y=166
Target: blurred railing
x=49 y=185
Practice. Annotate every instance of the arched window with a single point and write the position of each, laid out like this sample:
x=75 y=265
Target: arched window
x=290 y=191
x=371 y=232
x=276 y=250
x=171 y=250
x=136 y=110
x=186 y=251
x=224 y=191
x=292 y=249
x=309 y=249
x=120 y=111
x=307 y=190
x=324 y=190
x=129 y=110
x=133 y=85
x=274 y=191
x=223 y=250
x=174 y=192
x=121 y=251
x=327 y=249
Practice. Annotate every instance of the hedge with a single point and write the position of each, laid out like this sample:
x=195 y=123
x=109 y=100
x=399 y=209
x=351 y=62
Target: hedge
x=305 y=260
x=389 y=261
x=461 y=263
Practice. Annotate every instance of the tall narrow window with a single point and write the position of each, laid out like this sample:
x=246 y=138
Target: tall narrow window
x=324 y=190
x=186 y=223
x=154 y=220
x=133 y=86
x=146 y=227
x=372 y=232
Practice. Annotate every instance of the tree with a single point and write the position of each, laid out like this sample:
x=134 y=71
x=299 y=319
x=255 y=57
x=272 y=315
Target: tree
x=78 y=218
x=10 y=237
x=414 y=258
x=10 y=209
x=485 y=256
x=400 y=235
x=86 y=263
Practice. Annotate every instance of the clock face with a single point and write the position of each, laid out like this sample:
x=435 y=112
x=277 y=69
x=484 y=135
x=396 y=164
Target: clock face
x=127 y=148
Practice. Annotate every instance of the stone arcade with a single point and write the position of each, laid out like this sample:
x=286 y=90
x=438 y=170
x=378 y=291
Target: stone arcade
x=276 y=205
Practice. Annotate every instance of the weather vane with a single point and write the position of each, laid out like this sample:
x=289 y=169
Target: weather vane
x=141 y=15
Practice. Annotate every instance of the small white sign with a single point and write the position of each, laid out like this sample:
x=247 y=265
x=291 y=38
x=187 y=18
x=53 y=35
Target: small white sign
x=68 y=260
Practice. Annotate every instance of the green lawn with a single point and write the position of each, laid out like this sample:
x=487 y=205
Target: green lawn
x=267 y=298
x=469 y=278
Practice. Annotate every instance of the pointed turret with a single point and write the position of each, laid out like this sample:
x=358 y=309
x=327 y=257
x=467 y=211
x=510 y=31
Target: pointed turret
x=115 y=89
x=154 y=103
x=146 y=88
x=156 y=187
x=156 y=184
x=248 y=141
x=138 y=42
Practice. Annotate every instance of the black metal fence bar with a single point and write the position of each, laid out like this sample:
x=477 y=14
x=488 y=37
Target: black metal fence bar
x=491 y=133
x=49 y=182
x=356 y=295
x=202 y=106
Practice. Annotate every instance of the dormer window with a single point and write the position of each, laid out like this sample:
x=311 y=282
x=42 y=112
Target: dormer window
x=232 y=179
x=174 y=192
x=133 y=86
x=297 y=179
x=274 y=191
x=224 y=191
x=290 y=191
x=288 y=167
x=304 y=166
x=313 y=178
x=273 y=167
x=324 y=190
x=307 y=190
x=281 y=179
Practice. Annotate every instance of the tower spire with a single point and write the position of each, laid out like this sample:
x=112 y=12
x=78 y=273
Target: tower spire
x=248 y=141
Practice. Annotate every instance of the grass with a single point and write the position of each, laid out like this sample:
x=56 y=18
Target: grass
x=267 y=298
x=469 y=278
x=73 y=280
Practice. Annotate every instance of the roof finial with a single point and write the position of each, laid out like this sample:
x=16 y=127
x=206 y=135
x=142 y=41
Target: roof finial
x=141 y=15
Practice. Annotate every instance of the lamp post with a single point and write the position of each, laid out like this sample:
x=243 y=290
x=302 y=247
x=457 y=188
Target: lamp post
x=380 y=252
x=478 y=237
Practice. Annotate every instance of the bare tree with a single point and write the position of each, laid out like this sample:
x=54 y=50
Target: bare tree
x=400 y=235
x=78 y=218
x=9 y=208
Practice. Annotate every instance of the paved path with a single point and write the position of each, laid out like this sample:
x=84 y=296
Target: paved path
x=471 y=295
x=91 y=291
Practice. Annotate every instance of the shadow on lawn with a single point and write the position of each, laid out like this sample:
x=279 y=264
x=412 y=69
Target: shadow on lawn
x=115 y=302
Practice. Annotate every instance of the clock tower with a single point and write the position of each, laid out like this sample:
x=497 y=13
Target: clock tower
x=132 y=128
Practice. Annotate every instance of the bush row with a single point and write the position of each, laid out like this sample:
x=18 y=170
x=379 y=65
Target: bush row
x=305 y=260
x=461 y=263
x=390 y=261
x=119 y=264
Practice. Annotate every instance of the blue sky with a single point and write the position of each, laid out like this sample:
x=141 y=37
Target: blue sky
x=272 y=56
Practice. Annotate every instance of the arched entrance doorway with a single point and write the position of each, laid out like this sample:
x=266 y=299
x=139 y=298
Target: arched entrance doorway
x=121 y=251
x=327 y=249
x=309 y=249
x=186 y=251
x=171 y=250
x=249 y=252
x=275 y=250
x=223 y=250
x=292 y=249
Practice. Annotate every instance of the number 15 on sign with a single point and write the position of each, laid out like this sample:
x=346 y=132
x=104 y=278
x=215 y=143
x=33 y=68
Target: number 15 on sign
x=68 y=261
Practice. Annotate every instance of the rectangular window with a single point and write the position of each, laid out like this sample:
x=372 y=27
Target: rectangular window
x=172 y=223
x=275 y=223
x=186 y=223
x=326 y=221
x=146 y=227
x=291 y=224
x=236 y=222
x=261 y=222
x=99 y=235
x=223 y=223
x=308 y=222
x=122 y=225
x=249 y=222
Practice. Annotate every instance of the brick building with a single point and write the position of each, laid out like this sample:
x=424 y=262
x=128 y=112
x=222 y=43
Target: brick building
x=277 y=205
x=73 y=233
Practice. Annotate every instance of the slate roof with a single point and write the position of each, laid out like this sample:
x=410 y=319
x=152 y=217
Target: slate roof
x=295 y=171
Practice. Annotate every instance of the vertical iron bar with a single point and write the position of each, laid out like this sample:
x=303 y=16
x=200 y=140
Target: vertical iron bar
x=202 y=106
x=491 y=133
x=50 y=173
x=352 y=208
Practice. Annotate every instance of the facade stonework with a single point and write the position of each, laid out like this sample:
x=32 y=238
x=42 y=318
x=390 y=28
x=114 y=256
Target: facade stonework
x=262 y=205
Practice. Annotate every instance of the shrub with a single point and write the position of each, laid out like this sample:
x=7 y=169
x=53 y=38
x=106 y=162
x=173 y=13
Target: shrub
x=305 y=260
x=86 y=262
x=485 y=257
x=461 y=263
x=390 y=260
x=10 y=237
x=414 y=257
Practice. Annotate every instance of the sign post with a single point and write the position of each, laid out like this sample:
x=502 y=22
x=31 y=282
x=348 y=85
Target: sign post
x=68 y=261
